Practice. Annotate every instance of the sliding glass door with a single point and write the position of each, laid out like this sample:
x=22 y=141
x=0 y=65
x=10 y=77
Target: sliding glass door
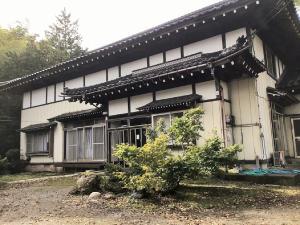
x=86 y=144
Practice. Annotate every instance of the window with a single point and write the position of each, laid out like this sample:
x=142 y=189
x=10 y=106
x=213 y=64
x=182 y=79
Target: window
x=85 y=143
x=38 y=142
x=166 y=117
x=270 y=61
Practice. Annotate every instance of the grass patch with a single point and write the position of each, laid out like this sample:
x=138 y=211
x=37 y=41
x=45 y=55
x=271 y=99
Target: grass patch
x=24 y=176
x=61 y=182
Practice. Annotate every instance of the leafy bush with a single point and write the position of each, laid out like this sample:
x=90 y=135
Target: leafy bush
x=13 y=155
x=185 y=130
x=207 y=159
x=111 y=182
x=13 y=162
x=154 y=169
x=3 y=165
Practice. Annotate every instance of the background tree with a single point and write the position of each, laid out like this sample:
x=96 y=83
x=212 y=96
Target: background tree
x=20 y=54
x=64 y=37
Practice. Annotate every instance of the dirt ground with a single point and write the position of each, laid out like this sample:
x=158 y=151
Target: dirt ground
x=219 y=203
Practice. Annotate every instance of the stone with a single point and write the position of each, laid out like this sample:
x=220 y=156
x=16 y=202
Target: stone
x=137 y=195
x=94 y=196
x=109 y=196
x=86 y=184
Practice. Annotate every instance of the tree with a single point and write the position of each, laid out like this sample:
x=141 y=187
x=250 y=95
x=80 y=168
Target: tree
x=64 y=38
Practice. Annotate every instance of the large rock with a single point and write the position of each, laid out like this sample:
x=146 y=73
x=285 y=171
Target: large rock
x=94 y=196
x=86 y=184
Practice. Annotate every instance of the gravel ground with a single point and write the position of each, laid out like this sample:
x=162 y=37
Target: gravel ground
x=221 y=203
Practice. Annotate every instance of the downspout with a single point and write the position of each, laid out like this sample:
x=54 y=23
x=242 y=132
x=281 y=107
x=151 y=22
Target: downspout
x=219 y=93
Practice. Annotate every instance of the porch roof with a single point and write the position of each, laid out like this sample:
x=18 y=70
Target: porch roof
x=171 y=103
x=280 y=97
x=89 y=113
x=38 y=127
x=198 y=66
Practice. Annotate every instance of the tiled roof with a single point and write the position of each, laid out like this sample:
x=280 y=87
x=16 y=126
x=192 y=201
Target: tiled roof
x=38 y=127
x=176 y=102
x=77 y=115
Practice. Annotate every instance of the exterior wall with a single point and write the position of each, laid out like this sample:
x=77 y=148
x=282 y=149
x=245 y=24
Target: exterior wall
x=38 y=97
x=208 y=45
x=140 y=100
x=119 y=106
x=113 y=73
x=41 y=114
x=232 y=36
x=95 y=78
x=156 y=59
x=50 y=93
x=292 y=111
x=26 y=100
x=127 y=68
x=174 y=92
x=244 y=107
x=173 y=54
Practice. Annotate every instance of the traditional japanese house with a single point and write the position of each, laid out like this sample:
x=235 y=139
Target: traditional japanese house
x=237 y=59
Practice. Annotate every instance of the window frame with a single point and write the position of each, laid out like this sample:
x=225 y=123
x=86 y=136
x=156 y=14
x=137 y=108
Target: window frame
x=83 y=128
x=30 y=142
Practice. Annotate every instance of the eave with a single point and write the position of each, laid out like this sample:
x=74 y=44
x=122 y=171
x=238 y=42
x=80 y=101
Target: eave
x=215 y=19
x=227 y=64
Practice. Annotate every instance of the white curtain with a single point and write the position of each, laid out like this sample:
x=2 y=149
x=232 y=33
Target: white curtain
x=88 y=143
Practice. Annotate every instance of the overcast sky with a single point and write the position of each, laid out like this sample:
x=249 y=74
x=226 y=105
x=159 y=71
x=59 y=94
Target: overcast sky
x=100 y=21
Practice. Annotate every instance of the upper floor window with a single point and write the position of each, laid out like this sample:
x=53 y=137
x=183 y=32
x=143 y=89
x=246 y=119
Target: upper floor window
x=270 y=61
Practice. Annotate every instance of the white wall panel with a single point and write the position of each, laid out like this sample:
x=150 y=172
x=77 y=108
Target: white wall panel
x=95 y=78
x=156 y=59
x=113 y=73
x=208 y=45
x=38 y=97
x=74 y=83
x=173 y=54
x=118 y=106
x=50 y=93
x=206 y=89
x=174 y=92
x=232 y=36
x=127 y=68
x=258 y=48
x=26 y=100
x=59 y=90
x=41 y=114
x=140 y=100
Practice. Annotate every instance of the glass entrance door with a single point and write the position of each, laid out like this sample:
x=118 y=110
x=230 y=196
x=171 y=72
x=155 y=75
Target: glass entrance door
x=296 y=135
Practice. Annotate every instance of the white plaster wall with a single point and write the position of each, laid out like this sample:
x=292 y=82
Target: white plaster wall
x=127 y=68
x=113 y=73
x=59 y=90
x=156 y=59
x=206 y=89
x=140 y=100
x=38 y=97
x=174 y=92
x=26 y=100
x=41 y=114
x=50 y=93
x=95 y=78
x=208 y=45
x=118 y=106
x=211 y=121
x=74 y=83
x=258 y=49
x=232 y=36
x=173 y=54
x=244 y=106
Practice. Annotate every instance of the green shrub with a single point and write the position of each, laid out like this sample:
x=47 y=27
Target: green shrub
x=151 y=168
x=3 y=166
x=207 y=159
x=13 y=155
x=111 y=182
x=14 y=163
